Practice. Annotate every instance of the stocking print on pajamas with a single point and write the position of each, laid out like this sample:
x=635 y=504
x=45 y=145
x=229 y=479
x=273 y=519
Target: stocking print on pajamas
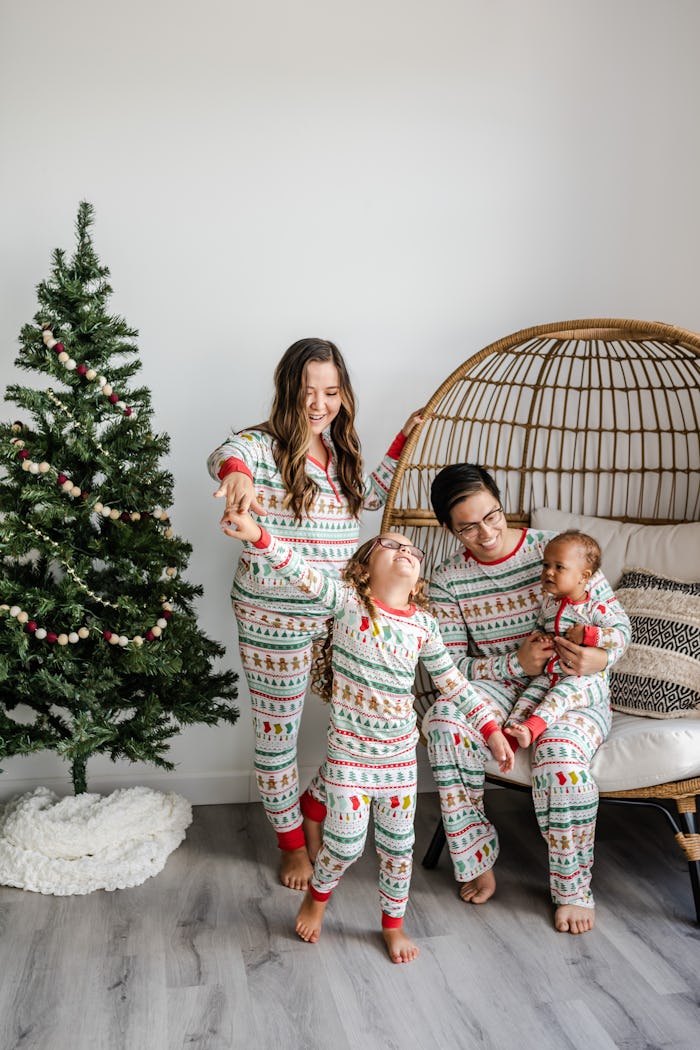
x=485 y=611
x=277 y=630
x=371 y=758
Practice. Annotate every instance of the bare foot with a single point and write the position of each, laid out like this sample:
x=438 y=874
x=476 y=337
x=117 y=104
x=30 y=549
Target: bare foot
x=313 y=833
x=295 y=868
x=400 y=947
x=310 y=919
x=479 y=889
x=520 y=733
x=572 y=918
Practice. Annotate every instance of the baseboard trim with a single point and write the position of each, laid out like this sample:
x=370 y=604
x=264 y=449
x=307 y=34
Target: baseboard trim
x=201 y=789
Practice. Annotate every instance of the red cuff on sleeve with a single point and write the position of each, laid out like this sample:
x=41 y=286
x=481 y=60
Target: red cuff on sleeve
x=590 y=635
x=490 y=728
x=536 y=725
x=233 y=466
x=396 y=446
x=265 y=539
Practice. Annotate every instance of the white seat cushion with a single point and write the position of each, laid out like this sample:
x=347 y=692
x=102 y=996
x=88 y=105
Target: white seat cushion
x=640 y=752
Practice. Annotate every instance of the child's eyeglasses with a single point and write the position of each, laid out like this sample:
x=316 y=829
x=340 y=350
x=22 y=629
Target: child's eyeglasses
x=394 y=545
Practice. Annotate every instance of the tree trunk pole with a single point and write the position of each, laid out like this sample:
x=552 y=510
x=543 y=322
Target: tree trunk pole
x=78 y=772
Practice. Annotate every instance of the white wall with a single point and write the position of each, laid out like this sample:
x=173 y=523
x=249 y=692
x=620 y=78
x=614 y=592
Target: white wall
x=410 y=179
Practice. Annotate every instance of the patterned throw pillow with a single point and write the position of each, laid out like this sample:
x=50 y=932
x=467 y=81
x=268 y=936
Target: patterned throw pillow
x=659 y=675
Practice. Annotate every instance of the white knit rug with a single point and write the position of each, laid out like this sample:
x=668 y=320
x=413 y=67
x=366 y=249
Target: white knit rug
x=88 y=842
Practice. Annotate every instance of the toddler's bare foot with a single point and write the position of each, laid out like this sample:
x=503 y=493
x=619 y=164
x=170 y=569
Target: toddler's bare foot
x=295 y=868
x=310 y=919
x=520 y=733
x=572 y=918
x=400 y=947
x=313 y=833
x=479 y=889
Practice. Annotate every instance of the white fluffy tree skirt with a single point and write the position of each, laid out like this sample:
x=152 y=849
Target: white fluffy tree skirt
x=88 y=842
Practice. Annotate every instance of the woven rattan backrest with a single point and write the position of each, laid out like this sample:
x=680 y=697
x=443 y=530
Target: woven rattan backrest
x=598 y=417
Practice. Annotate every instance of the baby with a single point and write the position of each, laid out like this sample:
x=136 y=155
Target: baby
x=570 y=560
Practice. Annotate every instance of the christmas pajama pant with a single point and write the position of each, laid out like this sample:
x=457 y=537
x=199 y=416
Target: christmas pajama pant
x=352 y=791
x=565 y=794
x=277 y=650
x=551 y=696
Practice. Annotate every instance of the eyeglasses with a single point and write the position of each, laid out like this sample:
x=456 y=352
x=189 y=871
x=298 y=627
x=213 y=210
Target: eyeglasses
x=491 y=519
x=394 y=545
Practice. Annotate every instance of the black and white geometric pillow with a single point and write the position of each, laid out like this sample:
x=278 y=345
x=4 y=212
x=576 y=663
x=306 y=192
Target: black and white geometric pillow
x=659 y=675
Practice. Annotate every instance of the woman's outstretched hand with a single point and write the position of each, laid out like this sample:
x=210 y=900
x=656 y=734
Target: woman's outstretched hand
x=239 y=492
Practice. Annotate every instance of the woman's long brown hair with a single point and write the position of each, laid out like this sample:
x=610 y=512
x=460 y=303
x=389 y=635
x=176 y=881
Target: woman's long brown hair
x=289 y=427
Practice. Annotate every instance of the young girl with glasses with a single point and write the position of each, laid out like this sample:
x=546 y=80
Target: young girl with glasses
x=381 y=628
x=302 y=469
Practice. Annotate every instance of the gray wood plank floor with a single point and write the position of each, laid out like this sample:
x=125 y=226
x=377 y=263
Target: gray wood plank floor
x=205 y=956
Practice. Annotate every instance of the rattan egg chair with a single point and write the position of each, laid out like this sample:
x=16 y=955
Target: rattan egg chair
x=593 y=417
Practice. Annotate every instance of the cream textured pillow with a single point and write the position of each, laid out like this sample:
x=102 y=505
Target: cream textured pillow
x=659 y=674
x=669 y=550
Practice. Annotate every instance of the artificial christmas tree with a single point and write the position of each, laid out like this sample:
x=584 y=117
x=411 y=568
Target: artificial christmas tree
x=100 y=651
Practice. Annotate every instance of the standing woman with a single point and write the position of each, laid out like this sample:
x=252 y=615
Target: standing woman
x=302 y=471
x=486 y=599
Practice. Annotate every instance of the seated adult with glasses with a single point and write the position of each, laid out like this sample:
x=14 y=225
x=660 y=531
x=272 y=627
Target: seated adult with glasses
x=486 y=599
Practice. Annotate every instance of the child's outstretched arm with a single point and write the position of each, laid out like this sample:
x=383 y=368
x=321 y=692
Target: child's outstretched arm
x=451 y=684
x=288 y=564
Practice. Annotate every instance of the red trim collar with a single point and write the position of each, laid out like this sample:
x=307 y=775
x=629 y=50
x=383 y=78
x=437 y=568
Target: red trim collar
x=396 y=612
x=496 y=561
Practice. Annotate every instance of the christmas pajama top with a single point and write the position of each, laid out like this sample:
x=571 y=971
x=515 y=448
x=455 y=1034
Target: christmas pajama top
x=277 y=627
x=373 y=722
x=555 y=691
x=606 y=624
x=486 y=609
x=326 y=536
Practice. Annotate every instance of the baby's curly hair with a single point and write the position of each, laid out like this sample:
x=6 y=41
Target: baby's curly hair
x=586 y=544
